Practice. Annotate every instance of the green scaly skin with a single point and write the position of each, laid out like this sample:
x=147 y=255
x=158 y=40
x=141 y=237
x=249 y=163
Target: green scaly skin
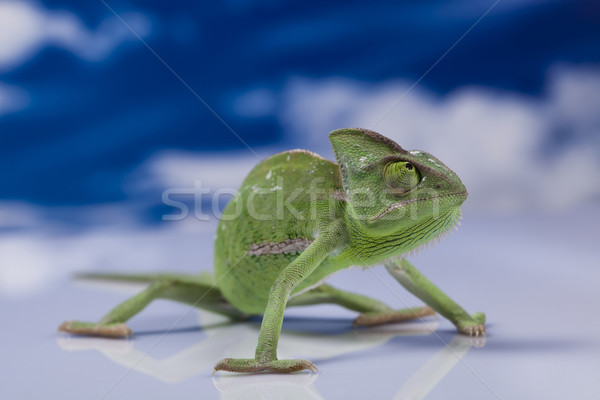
x=297 y=219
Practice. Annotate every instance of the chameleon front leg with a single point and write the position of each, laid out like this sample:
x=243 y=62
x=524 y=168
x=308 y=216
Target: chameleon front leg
x=424 y=289
x=185 y=290
x=265 y=358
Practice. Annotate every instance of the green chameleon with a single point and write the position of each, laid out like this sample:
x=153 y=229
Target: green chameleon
x=297 y=219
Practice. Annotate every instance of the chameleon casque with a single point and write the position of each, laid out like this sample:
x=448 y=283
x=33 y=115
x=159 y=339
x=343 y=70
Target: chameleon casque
x=297 y=219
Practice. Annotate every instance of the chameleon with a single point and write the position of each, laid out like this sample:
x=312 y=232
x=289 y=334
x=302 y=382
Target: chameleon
x=297 y=219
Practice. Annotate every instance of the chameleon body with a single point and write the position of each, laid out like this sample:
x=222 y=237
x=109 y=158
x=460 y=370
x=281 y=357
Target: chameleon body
x=297 y=219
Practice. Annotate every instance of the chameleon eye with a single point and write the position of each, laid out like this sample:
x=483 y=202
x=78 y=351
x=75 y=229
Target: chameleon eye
x=401 y=176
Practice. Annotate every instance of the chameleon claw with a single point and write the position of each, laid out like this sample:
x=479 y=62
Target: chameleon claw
x=474 y=330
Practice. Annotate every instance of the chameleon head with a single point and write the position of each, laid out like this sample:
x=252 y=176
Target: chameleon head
x=390 y=190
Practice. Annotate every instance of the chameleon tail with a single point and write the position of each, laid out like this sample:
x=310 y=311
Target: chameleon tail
x=203 y=278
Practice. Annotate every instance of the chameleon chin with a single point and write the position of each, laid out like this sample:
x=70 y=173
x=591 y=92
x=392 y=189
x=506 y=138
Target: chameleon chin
x=297 y=219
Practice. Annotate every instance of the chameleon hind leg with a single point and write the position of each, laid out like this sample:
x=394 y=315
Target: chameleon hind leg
x=191 y=291
x=372 y=312
x=416 y=283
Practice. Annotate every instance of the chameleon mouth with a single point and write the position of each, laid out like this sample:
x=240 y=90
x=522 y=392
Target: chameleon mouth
x=415 y=200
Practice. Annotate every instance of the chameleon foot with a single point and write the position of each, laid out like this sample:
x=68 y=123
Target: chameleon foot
x=251 y=365
x=92 y=329
x=473 y=327
x=407 y=314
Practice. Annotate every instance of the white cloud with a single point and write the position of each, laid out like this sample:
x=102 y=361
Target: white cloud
x=186 y=169
x=575 y=99
x=18 y=215
x=12 y=98
x=492 y=139
x=37 y=251
x=26 y=27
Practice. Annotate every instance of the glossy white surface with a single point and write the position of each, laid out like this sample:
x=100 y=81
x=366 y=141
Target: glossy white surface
x=536 y=277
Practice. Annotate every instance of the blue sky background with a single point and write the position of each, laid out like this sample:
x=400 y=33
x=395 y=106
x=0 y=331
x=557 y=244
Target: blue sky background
x=85 y=102
x=94 y=126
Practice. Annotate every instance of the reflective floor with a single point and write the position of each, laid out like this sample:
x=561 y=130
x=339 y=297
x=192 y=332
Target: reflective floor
x=537 y=279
